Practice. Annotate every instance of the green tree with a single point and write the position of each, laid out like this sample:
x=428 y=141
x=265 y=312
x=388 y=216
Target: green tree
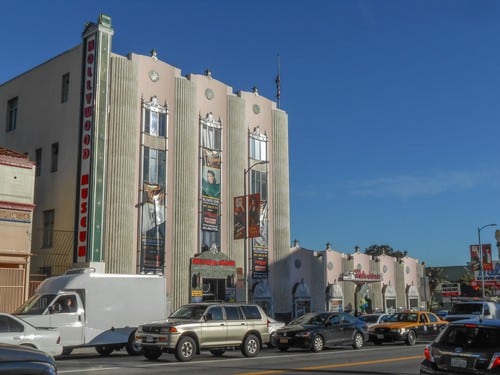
x=377 y=250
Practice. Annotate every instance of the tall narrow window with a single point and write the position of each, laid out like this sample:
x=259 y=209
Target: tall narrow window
x=155 y=118
x=12 y=114
x=38 y=161
x=54 y=157
x=48 y=229
x=65 y=88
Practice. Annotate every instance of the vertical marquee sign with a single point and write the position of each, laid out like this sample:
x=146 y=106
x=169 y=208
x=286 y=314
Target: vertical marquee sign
x=91 y=173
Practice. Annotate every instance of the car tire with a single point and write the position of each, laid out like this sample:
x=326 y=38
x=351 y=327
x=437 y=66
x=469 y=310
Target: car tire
x=132 y=347
x=185 y=349
x=318 y=344
x=217 y=352
x=282 y=348
x=151 y=353
x=358 y=341
x=250 y=346
x=104 y=350
x=273 y=339
x=411 y=338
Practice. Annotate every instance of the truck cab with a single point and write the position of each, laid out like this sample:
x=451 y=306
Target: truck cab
x=63 y=310
x=473 y=310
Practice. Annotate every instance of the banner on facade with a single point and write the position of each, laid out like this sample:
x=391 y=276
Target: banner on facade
x=254 y=215
x=210 y=214
x=240 y=218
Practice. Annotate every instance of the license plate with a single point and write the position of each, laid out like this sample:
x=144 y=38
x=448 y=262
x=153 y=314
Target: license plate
x=458 y=362
x=283 y=341
x=149 y=338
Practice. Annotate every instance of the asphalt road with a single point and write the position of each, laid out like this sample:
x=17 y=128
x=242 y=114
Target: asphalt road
x=397 y=359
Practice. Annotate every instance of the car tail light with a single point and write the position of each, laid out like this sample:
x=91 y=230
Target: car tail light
x=428 y=353
x=495 y=361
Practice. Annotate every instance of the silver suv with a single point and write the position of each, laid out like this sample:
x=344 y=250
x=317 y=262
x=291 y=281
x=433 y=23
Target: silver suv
x=214 y=326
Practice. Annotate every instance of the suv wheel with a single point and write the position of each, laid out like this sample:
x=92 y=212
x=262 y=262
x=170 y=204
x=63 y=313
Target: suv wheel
x=151 y=353
x=250 y=346
x=185 y=349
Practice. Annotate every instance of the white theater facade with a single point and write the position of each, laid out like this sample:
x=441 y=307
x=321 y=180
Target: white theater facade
x=357 y=282
x=138 y=169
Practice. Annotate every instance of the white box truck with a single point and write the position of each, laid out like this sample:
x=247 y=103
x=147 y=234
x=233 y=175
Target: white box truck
x=99 y=310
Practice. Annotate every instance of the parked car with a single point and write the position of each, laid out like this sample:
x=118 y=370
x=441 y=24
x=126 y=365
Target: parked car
x=374 y=318
x=408 y=326
x=474 y=310
x=316 y=331
x=213 y=326
x=14 y=330
x=17 y=359
x=274 y=325
x=465 y=347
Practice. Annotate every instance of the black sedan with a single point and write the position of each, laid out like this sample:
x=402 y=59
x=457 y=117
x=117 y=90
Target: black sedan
x=464 y=347
x=315 y=331
x=17 y=359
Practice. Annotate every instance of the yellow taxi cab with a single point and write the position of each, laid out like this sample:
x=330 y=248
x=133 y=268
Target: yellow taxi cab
x=407 y=326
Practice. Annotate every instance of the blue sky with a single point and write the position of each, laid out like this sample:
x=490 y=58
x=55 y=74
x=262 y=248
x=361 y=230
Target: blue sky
x=393 y=106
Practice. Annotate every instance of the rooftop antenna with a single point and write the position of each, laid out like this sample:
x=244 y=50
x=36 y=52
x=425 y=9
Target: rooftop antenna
x=278 y=84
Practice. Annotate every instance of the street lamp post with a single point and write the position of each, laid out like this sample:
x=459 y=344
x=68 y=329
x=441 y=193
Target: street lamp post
x=481 y=265
x=245 y=245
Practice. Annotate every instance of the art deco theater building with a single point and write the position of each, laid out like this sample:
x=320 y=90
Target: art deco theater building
x=140 y=169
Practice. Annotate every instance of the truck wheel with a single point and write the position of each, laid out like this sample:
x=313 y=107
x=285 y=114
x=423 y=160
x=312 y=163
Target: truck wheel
x=151 y=353
x=132 y=347
x=104 y=350
x=185 y=349
x=250 y=346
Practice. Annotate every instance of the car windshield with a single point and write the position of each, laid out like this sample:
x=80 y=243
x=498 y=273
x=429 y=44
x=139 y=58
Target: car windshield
x=472 y=337
x=36 y=305
x=369 y=318
x=190 y=312
x=403 y=317
x=467 y=308
x=314 y=319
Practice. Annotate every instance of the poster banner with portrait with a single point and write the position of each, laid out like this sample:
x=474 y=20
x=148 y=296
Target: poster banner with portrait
x=487 y=259
x=210 y=214
x=474 y=257
x=153 y=228
x=253 y=215
x=240 y=218
x=211 y=174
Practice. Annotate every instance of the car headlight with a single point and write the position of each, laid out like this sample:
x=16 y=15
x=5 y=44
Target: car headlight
x=399 y=330
x=304 y=334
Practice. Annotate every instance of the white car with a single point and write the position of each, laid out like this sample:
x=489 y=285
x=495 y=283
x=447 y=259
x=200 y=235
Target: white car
x=375 y=318
x=16 y=331
x=273 y=326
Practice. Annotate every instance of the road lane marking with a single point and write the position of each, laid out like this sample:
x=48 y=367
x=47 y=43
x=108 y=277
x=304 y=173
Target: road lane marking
x=338 y=365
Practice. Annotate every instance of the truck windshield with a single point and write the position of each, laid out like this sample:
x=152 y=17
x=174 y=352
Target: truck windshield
x=467 y=308
x=36 y=305
x=189 y=312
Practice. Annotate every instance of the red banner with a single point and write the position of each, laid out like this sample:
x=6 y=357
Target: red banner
x=254 y=215
x=240 y=218
x=487 y=259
